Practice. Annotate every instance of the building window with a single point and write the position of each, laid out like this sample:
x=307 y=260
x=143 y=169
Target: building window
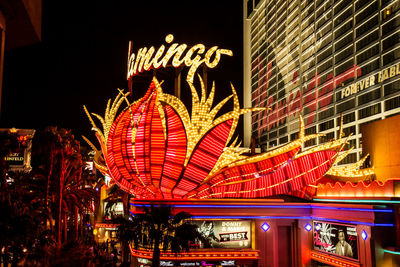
x=390 y=26
x=369 y=111
x=326 y=113
x=391 y=56
x=349 y=130
x=367 y=54
x=345 y=106
x=350 y=117
x=367 y=12
x=326 y=125
x=391 y=41
x=374 y=36
x=391 y=88
x=392 y=103
x=351 y=158
x=370 y=24
x=369 y=67
x=365 y=98
x=327 y=137
x=283 y=140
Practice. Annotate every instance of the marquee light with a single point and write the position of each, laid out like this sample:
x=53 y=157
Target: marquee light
x=194 y=57
x=156 y=149
x=364 y=235
x=308 y=227
x=265 y=226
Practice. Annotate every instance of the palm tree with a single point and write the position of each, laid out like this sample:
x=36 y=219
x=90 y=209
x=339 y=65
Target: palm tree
x=68 y=195
x=159 y=227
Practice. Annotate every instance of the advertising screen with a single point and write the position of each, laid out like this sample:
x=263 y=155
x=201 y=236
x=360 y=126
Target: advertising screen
x=112 y=210
x=338 y=239
x=225 y=234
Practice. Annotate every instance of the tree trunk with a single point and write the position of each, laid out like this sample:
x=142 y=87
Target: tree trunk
x=59 y=201
x=76 y=223
x=156 y=253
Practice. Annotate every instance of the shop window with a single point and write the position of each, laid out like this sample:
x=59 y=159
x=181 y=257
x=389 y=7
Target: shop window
x=345 y=106
x=374 y=36
x=369 y=111
x=392 y=103
x=367 y=12
x=391 y=88
x=326 y=125
x=367 y=54
x=391 y=56
x=366 y=98
x=370 y=24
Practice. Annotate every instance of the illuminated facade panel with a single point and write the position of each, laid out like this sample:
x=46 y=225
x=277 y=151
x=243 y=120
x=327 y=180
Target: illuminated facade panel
x=320 y=59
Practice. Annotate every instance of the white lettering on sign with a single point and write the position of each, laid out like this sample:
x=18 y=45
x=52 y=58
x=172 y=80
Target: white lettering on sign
x=145 y=59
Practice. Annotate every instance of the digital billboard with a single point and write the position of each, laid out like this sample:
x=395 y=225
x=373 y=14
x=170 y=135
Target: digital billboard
x=225 y=234
x=338 y=239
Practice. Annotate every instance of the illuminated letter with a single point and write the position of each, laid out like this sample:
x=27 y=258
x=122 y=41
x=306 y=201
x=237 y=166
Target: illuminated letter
x=176 y=62
x=188 y=58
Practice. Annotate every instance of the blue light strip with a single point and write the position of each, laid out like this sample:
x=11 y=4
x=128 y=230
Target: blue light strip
x=270 y=206
x=359 y=200
x=391 y=252
x=293 y=217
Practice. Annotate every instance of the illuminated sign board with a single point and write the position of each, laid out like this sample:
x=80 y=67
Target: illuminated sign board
x=19 y=158
x=198 y=263
x=381 y=76
x=145 y=59
x=113 y=210
x=226 y=234
x=338 y=239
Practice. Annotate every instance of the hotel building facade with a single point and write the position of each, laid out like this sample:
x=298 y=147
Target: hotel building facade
x=320 y=59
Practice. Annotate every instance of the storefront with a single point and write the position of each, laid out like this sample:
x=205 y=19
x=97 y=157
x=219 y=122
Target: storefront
x=278 y=233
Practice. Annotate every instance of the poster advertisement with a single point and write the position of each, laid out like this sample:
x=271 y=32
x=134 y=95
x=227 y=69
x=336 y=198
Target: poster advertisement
x=225 y=234
x=338 y=239
x=112 y=210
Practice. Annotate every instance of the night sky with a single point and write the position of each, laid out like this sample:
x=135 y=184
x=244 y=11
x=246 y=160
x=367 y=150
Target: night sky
x=83 y=55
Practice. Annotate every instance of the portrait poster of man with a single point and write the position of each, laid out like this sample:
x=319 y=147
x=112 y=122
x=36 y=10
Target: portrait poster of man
x=338 y=239
x=225 y=234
